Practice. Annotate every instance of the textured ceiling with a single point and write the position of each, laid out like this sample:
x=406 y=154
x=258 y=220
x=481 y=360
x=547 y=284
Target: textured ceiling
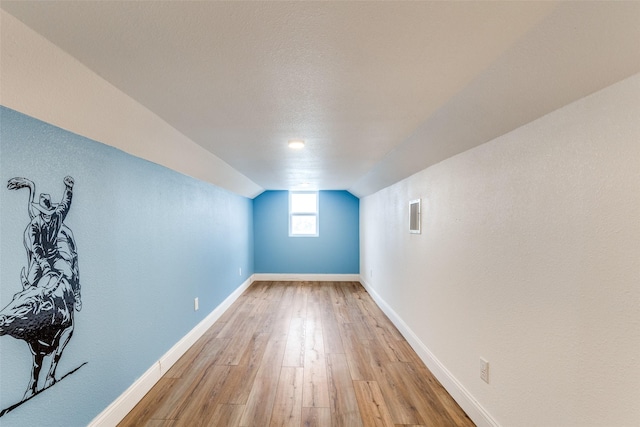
x=379 y=90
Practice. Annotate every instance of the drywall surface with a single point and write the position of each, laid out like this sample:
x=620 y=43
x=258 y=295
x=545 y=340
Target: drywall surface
x=529 y=257
x=334 y=251
x=40 y=80
x=148 y=241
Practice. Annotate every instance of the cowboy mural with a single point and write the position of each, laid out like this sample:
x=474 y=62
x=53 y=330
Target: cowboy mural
x=42 y=314
x=49 y=243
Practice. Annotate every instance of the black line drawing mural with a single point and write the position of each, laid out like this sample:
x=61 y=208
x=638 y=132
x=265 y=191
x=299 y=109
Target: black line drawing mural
x=42 y=313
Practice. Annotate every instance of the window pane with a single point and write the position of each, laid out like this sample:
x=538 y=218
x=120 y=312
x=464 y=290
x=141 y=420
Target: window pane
x=303 y=224
x=304 y=202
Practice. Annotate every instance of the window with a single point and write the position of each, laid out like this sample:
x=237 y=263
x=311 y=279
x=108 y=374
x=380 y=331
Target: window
x=303 y=213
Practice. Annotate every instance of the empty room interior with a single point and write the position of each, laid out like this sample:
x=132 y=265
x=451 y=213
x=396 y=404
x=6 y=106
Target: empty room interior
x=319 y=213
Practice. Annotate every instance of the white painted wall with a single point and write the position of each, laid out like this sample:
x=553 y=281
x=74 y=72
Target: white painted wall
x=40 y=80
x=530 y=258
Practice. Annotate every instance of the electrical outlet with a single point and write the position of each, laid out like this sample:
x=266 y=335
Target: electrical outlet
x=195 y=304
x=484 y=370
x=240 y=271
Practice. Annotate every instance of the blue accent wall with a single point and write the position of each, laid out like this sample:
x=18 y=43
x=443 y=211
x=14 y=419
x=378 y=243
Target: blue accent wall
x=149 y=241
x=335 y=251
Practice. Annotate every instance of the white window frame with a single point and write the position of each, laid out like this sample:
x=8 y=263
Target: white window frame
x=315 y=214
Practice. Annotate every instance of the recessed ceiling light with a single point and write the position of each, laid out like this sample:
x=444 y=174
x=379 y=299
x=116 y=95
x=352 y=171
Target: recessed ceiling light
x=296 y=144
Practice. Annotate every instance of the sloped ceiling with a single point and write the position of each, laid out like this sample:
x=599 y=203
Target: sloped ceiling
x=379 y=90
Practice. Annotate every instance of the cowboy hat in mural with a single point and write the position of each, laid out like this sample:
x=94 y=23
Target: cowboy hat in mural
x=45 y=206
x=42 y=313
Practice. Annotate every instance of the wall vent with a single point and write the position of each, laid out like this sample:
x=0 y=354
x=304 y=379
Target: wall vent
x=414 y=216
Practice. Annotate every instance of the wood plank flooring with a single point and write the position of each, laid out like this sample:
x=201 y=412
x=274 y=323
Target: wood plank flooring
x=299 y=354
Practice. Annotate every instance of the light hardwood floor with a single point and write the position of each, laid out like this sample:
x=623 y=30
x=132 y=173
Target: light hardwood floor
x=299 y=354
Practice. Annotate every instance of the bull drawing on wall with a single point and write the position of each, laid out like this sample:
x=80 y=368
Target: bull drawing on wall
x=42 y=313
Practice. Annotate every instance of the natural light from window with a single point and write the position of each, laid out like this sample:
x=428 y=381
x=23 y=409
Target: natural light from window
x=303 y=214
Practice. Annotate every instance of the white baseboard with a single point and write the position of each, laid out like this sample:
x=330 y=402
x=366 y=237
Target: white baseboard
x=120 y=407
x=460 y=394
x=277 y=277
